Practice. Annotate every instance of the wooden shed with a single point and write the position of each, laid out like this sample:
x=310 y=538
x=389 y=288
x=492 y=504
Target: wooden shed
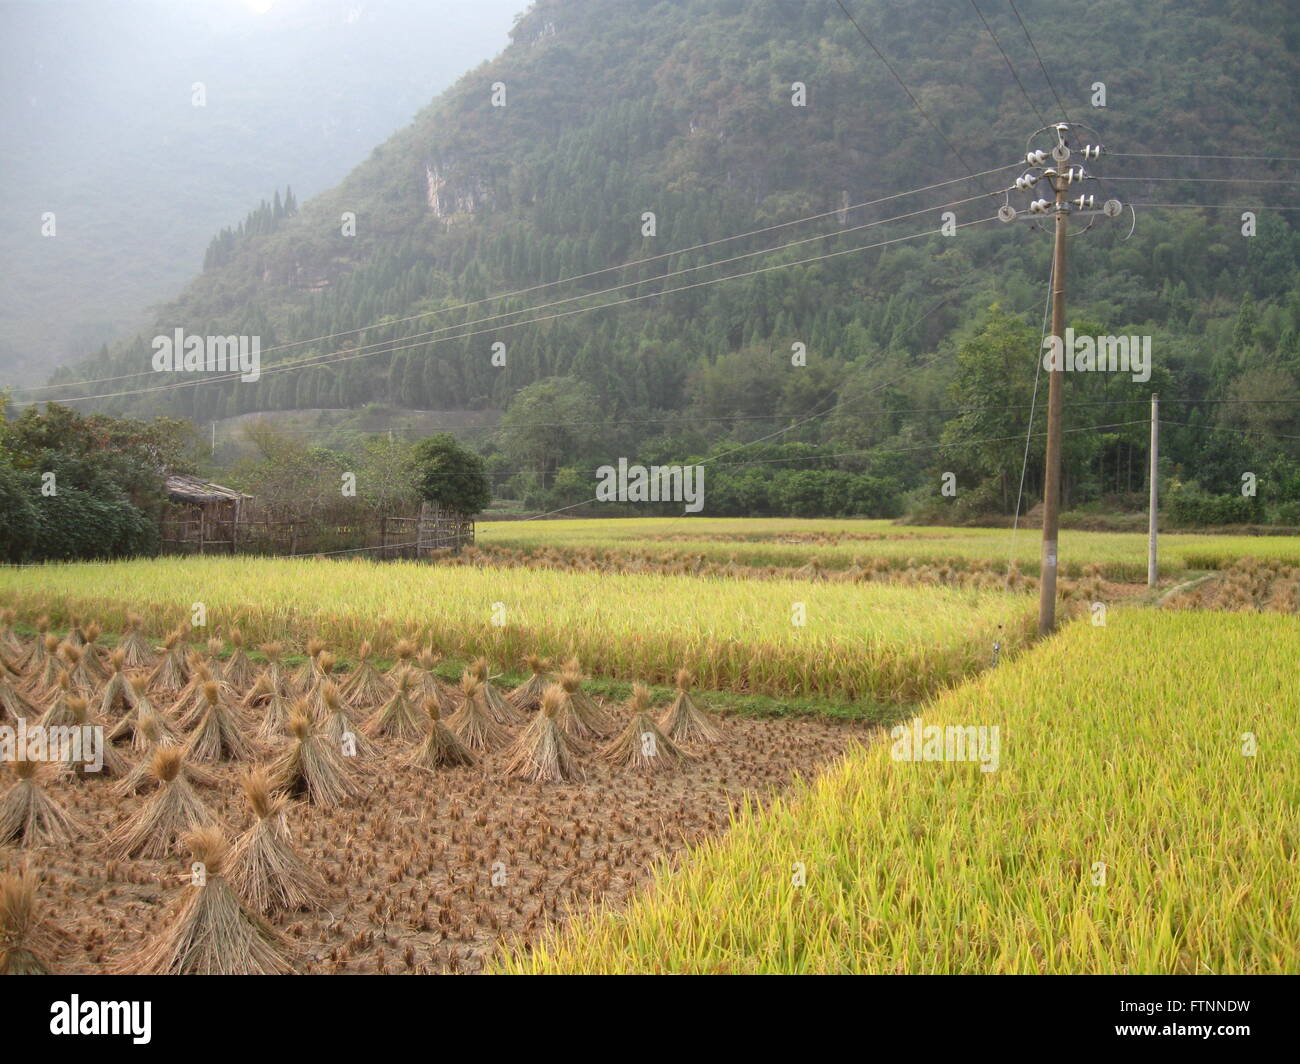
x=204 y=517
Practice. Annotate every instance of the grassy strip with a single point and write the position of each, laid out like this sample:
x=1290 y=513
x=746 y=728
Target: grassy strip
x=1121 y=746
x=880 y=643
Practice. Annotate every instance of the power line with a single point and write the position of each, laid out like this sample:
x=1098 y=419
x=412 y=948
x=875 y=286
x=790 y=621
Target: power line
x=534 y=321
x=1041 y=67
x=566 y=280
x=915 y=102
x=1225 y=428
x=1214 y=180
x=1038 y=372
x=1163 y=155
x=1007 y=59
x=923 y=446
x=1218 y=206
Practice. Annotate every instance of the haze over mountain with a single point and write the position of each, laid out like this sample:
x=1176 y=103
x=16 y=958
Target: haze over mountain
x=96 y=101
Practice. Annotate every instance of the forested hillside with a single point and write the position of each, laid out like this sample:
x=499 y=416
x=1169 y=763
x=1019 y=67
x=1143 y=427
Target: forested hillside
x=684 y=109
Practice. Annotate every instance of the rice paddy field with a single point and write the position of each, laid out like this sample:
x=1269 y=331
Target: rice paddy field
x=1127 y=829
x=840 y=544
x=370 y=798
x=889 y=643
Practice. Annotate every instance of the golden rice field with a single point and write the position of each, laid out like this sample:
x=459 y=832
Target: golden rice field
x=890 y=643
x=1124 y=831
x=838 y=543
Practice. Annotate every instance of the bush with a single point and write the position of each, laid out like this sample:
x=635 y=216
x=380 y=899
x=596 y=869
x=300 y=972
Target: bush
x=1189 y=507
x=19 y=522
x=75 y=524
x=1287 y=513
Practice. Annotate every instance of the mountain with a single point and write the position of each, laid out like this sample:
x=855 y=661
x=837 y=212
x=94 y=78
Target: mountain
x=684 y=108
x=97 y=104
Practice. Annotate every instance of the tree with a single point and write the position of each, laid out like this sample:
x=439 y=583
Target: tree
x=451 y=475
x=550 y=423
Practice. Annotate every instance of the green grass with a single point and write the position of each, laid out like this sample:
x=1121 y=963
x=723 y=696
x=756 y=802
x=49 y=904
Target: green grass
x=879 y=643
x=1121 y=745
x=788 y=542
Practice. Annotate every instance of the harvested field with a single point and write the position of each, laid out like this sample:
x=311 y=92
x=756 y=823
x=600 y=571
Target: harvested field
x=424 y=870
x=409 y=868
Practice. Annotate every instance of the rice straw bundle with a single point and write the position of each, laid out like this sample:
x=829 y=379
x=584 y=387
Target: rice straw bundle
x=275 y=713
x=84 y=680
x=579 y=716
x=115 y=765
x=173 y=809
x=133 y=725
x=51 y=668
x=173 y=672
x=364 y=686
x=441 y=748
x=542 y=751
x=9 y=641
x=211 y=932
x=308 y=674
x=151 y=737
x=58 y=713
x=502 y=711
x=430 y=684
x=139 y=654
x=190 y=705
x=264 y=868
x=316 y=695
x=641 y=745
x=472 y=723
x=75 y=637
x=404 y=655
x=399 y=716
x=26 y=939
x=338 y=724
x=13 y=703
x=258 y=694
x=118 y=696
x=214 y=663
x=311 y=766
x=272 y=681
x=29 y=816
x=93 y=655
x=219 y=735
x=238 y=670
x=33 y=661
x=685 y=722
x=527 y=697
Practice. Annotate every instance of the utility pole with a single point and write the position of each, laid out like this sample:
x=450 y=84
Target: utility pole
x=1152 y=567
x=214 y=439
x=1055 y=401
x=1050 y=166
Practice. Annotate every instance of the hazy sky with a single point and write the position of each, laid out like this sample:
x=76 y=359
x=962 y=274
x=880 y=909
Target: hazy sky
x=98 y=128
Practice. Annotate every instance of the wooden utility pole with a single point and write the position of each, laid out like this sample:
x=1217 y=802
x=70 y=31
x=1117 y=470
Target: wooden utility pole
x=1153 y=569
x=1055 y=401
x=1059 y=177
